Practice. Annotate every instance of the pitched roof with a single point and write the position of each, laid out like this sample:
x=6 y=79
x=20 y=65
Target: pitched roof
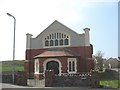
x=57 y=52
x=58 y=23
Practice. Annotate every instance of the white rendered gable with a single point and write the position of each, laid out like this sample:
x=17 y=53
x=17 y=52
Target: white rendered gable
x=75 y=39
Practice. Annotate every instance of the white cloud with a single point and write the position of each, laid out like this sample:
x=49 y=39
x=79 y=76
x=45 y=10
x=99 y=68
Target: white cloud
x=102 y=0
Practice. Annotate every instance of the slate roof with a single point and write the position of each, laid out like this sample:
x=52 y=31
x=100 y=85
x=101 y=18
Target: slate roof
x=61 y=52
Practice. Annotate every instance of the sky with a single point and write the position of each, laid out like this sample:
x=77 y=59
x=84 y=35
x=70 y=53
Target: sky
x=33 y=16
x=119 y=30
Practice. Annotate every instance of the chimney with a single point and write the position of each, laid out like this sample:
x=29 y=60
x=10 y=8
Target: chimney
x=28 y=40
x=87 y=38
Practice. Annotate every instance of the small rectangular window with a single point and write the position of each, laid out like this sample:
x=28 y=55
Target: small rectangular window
x=55 y=35
x=62 y=35
x=52 y=36
x=71 y=65
x=36 y=66
x=59 y=35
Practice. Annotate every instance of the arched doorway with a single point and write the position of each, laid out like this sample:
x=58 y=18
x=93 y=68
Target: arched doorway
x=53 y=65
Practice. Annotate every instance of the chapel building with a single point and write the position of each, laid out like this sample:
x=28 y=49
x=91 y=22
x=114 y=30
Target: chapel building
x=60 y=49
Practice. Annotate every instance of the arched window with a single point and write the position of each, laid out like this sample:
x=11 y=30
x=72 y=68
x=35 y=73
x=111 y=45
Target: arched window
x=56 y=42
x=66 y=41
x=51 y=42
x=46 y=43
x=56 y=39
x=61 y=42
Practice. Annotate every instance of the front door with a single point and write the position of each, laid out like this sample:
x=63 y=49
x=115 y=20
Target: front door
x=53 y=65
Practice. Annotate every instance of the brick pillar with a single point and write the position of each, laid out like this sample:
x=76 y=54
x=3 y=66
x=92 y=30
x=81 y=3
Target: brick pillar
x=49 y=76
x=21 y=78
x=95 y=79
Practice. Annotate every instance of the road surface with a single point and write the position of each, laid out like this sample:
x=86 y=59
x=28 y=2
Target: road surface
x=16 y=87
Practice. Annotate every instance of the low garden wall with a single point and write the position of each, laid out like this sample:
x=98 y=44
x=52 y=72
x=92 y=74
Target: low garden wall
x=72 y=80
x=35 y=83
x=20 y=77
x=114 y=73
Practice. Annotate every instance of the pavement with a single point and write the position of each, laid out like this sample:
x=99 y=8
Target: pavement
x=5 y=86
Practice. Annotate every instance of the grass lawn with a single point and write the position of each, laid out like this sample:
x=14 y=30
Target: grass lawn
x=16 y=68
x=8 y=65
x=109 y=80
x=110 y=83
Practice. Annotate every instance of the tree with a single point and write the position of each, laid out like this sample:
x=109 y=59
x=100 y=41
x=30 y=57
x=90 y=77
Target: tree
x=98 y=57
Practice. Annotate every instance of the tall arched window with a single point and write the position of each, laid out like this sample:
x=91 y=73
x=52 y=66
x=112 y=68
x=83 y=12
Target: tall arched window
x=56 y=42
x=46 y=43
x=51 y=42
x=61 y=42
x=66 y=41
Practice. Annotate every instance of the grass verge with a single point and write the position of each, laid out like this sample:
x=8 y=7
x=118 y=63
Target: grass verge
x=16 y=68
x=109 y=79
x=110 y=83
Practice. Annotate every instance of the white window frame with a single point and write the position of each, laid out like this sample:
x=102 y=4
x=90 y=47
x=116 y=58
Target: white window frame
x=52 y=59
x=57 y=39
x=36 y=66
x=75 y=66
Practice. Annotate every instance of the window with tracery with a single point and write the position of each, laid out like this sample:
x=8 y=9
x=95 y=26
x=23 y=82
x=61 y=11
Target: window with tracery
x=46 y=43
x=61 y=41
x=66 y=41
x=56 y=42
x=51 y=42
x=56 y=39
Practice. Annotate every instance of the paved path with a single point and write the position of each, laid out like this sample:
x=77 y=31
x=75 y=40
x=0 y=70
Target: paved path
x=16 y=87
x=5 y=85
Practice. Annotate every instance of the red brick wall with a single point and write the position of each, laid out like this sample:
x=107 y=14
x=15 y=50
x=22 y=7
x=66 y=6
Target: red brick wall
x=83 y=64
x=30 y=54
x=26 y=65
x=63 y=61
x=33 y=52
x=85 y=53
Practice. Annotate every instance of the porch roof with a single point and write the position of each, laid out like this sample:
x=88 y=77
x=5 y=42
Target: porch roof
x=57 y=53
